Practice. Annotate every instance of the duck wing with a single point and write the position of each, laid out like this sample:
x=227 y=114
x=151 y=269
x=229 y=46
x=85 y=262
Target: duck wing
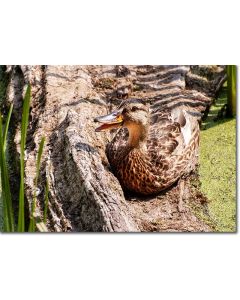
x=173 y=140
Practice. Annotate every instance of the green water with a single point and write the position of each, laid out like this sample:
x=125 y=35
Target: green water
x=218 y=167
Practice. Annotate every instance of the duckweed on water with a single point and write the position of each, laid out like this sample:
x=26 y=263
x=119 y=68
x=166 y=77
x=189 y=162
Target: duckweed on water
x=218 y=167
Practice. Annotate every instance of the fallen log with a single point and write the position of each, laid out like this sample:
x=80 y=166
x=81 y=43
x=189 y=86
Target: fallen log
x=84 y=195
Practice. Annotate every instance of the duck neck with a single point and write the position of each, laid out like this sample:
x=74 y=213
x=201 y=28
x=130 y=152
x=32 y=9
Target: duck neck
x=138 y=136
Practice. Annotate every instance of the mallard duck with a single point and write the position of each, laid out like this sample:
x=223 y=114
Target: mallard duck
x=153 y=148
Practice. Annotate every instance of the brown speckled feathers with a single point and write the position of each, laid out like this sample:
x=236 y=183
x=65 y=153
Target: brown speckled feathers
x=171 y=151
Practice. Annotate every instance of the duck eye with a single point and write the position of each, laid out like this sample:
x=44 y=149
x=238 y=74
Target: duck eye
x=134 y=108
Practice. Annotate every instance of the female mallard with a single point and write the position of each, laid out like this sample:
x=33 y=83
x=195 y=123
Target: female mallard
x=155 y=150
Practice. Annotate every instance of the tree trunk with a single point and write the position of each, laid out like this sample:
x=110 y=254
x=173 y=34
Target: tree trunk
x=83 y=193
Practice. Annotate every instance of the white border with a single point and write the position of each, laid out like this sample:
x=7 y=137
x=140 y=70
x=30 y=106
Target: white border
x=119 y=266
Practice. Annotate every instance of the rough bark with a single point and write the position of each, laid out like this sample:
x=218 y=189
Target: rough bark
x=84 y=195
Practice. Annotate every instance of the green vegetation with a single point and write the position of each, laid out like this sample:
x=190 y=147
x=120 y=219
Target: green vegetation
x=4 y=77
x=6 y=197
x=232 y=91
x=32 y=225
x=7 y=216
x=25 y=116
x=46 y=202
x=1 y=213
x=218 y=166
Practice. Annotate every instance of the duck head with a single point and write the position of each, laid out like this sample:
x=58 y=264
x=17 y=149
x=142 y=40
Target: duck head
x=132 y=114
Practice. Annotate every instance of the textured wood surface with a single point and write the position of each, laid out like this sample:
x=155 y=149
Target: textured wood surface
x=84 y=194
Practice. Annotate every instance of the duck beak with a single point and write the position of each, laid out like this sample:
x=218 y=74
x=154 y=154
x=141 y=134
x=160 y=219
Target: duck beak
x=113 y=120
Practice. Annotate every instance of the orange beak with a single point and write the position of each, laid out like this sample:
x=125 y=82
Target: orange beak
x=110 y=121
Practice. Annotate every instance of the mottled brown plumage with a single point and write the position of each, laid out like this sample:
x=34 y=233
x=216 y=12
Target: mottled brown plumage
x=152 y=149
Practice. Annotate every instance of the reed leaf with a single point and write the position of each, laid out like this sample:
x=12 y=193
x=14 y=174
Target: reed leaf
x=24 y=125
x=5 y=184
x=46 y=202
x=5 y=133
x=32 y=224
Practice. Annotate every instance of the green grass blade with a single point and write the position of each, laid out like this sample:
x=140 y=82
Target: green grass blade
x=32 y=225
x=6 y=227
x=46 y=202
x=6 y=127
x=5 y=184
x=24 y=125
